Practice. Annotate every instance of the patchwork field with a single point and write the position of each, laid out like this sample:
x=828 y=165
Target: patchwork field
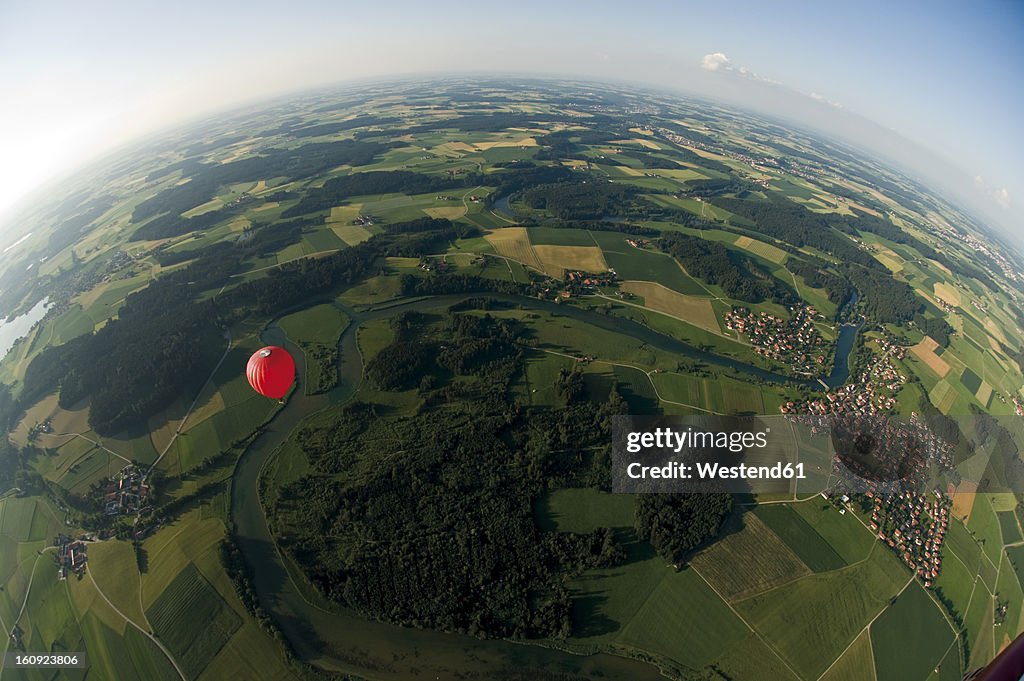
x=188 y=600
x=925 y=351
x=448 y=212
x=943 y=395
x=514 y=243
x=693 y=309
x=798 y=534
x=749 y=560
x=766 y=251
x=948 y=293
x=812 y=620
x=556 y=259
x=642 y=265
x=664 y=622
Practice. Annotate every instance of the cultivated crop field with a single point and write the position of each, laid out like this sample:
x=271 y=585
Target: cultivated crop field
x=189 y=599
x=767 y=561
x=695 y=310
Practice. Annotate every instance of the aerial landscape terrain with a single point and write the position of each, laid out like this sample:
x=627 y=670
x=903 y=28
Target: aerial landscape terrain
x=475 y=275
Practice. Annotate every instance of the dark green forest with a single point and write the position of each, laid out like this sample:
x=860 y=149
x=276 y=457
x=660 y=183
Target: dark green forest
x=427 y=518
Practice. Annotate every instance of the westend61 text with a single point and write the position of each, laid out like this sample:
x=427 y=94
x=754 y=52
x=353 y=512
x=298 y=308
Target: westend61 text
x=714 y=471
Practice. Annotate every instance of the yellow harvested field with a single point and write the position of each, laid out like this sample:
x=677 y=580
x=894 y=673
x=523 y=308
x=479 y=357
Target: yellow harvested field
x=449 y=212
x=939 y=265
x=352 y=234
x=680 y=173
x=240 y=225
x=402 y=263
x=947 y=293
x=766 y=251
x=514 y=243
x=943 y=395
x=37 y=413
x=984 y=393
x=211 y=205
x=691 y=309
x=169 y=555
x=266 y=206
x=632 y=172
x=74 y=420
x=259 y=187
x=117 y=575
x=238 y=153
x=1002 y=501
x=161 y=429
x=996 y=331
x=524 y=142
x=453 y=148
x=892 y=264
x=963 y=499
x=345 y=214
x=210 y=404
x=559 y=258
x=642 y=142
x=925 y=351
x=86 y=598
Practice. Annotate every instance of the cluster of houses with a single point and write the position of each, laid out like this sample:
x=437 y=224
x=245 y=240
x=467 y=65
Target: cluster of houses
x=755 y=162
x=126 y=492
x=439 y=266
x=912 y=524
x=44 y=427
x=243 y=198
x=639 y=243
x=873 y=392
x=1018 y=405
x=574 y=283
x=795 y=341
x=364 y=220
x=986 y=251
x=72 y=556
x=914 y=527
x=577 y=282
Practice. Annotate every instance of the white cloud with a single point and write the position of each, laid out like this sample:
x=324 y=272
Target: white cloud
x=715 y=62
x=825 y=100
x=1002 y=197
x=719 y=61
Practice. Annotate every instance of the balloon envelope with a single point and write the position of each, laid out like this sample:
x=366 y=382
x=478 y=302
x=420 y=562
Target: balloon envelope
x=271 y=371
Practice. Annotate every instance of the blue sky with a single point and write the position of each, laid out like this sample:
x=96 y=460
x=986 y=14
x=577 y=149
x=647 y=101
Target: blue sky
x=80 y=78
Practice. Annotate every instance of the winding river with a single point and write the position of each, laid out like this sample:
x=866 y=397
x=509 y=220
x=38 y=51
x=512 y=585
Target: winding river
x=337 y=639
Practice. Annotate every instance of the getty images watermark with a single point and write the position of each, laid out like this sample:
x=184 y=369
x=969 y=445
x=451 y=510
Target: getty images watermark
x=804 y=455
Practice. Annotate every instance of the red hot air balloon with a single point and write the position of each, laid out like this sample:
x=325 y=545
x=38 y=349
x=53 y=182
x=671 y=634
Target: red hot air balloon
x=271 y=371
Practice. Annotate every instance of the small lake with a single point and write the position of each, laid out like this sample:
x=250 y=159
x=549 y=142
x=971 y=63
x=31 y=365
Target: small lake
x=844 y=343
x=13 y=329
